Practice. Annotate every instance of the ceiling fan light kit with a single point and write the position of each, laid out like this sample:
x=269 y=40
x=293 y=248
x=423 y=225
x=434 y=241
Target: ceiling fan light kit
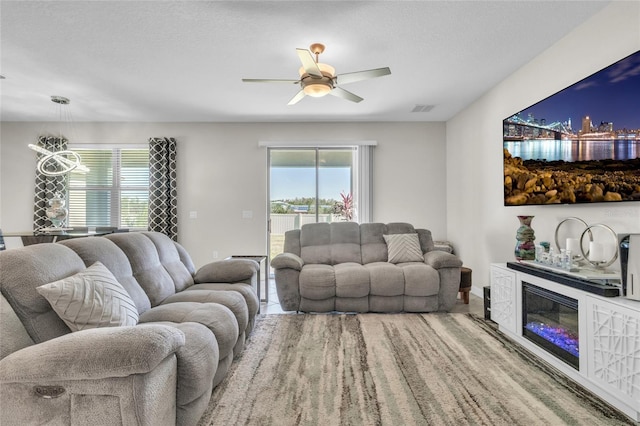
x=318 y=79
x=318 y=86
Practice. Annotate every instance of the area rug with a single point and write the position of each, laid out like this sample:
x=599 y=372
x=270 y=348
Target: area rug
x=394 y=369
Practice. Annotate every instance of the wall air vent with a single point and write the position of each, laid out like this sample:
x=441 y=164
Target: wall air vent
x=422 y=108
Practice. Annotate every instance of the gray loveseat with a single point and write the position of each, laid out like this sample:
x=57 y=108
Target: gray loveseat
x=371 y=267
x=182 y=330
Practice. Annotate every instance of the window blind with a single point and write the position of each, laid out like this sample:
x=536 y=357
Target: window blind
x=114 y=193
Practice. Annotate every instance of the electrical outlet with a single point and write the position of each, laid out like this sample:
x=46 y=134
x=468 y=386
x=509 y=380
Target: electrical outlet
x=215 y=254
x=193 y=215
x=247 y=214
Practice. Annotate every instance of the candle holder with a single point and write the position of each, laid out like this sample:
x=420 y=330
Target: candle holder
x=577 y=256
x=599 y=264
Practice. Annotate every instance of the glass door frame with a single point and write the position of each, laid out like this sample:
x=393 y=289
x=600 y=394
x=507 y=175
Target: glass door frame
x=317 y=150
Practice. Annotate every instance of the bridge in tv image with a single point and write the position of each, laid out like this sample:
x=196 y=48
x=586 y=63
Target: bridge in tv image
x=516 y=129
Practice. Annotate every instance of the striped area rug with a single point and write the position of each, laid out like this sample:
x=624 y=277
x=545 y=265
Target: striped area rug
x=394 y=369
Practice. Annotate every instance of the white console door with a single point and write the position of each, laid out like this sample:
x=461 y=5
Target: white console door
x=503 y=297
x=614 y=349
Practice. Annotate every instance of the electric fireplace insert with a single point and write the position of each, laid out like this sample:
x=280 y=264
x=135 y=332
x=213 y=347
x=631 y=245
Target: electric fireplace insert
x=550 y=320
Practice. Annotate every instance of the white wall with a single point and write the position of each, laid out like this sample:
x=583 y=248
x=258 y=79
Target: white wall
x=222 y=171
x=481 y=227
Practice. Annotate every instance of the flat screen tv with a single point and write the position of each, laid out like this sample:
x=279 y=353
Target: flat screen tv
x=580 y=145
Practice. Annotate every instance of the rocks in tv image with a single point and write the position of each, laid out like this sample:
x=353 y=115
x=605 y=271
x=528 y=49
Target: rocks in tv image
x=563 y=182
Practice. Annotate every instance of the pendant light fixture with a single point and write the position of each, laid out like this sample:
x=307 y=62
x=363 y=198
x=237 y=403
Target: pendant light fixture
x=56 y=163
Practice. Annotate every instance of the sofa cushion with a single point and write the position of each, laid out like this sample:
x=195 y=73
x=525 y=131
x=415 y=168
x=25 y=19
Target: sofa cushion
x=403 y=248
x=400 y=228
x=386 y=279
x=171 y=260
x=246 y=290
x=315 y=243
x=105 y=251
x=231 y=299
x=317 y=282
x=185 y=258
x=22 y=270
x=374 y=248
x=352 y=280
x=330 y=243
x=420 y=279
x=426 y=240
x=145 y=264
x=217 y=318
x=90 y=299
x=345 y=242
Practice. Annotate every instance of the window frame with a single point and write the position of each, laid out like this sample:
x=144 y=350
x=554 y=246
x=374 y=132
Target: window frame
x=115 y=189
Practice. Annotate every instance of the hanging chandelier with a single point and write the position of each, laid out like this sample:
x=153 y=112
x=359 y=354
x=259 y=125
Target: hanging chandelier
x=56 y=163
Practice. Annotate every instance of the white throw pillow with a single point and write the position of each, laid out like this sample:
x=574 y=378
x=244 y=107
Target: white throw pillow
x=91 y=298
x=403 y=248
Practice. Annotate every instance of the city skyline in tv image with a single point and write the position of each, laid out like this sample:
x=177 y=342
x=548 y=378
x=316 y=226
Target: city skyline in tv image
x=580 y=145
x=611 y=95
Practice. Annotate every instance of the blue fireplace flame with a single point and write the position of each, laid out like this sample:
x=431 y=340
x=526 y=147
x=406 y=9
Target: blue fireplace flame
x=558 y=336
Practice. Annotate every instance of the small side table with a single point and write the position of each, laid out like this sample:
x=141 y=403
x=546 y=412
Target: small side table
x=465 y=284
x=260 y=259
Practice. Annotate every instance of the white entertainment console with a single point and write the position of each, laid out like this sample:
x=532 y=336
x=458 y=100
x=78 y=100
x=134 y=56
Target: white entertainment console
x=609 y=335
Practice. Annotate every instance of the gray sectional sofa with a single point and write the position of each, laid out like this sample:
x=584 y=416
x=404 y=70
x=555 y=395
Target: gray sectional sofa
x=178 y=333
x=369 y=267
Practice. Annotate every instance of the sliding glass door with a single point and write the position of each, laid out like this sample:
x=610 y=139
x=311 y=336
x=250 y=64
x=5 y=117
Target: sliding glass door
x=308 y=185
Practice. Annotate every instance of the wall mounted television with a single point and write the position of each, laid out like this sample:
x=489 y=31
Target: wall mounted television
x=580 y=145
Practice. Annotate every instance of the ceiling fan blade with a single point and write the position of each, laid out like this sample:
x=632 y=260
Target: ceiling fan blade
x=351 y=77
x=269 y=80
x=308 y=63
x=341 y=93
x=297 y=97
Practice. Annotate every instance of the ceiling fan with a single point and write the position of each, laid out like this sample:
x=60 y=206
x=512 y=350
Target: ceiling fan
x=318 y=79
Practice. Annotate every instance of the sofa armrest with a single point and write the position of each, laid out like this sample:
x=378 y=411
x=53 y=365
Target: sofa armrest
x=227 y=271
x=287 y=260
x=93 y=354
x=441 y=259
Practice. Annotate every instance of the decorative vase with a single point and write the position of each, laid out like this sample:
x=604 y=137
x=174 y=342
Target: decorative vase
x=525 y=237
x=56 y=212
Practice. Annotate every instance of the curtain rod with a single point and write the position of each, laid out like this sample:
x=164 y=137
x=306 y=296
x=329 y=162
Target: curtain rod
x=273 y=144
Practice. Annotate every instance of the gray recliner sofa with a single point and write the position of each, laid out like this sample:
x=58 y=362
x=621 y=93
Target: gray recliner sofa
x=159 y=372
x=347 y=267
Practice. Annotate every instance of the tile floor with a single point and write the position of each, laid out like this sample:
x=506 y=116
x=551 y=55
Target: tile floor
x=475 y=306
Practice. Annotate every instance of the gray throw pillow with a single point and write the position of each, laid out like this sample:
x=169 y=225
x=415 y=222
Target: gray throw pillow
x=403 y=248
x=90 y=299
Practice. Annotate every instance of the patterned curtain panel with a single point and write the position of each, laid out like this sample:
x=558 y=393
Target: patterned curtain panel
x=163 y=194
x=47 y=186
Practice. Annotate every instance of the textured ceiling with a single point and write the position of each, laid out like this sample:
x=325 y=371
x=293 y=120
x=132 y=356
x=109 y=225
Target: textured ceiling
x=184 y=61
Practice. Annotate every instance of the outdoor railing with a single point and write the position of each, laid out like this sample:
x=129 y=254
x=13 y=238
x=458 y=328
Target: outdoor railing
x=285 y=222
